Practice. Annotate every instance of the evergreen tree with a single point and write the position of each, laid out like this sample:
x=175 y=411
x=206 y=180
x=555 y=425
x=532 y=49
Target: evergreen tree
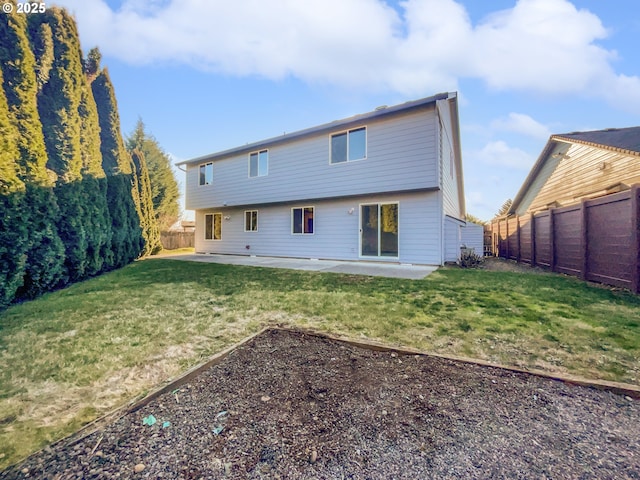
x=42 y=43
x=13 y=231
x=9 y=153
x=92 y=64
x=126 y=240
x=474 y=219
x=37 y=210
x=46 y=254
x=98 y=219
x=164 y=187
x=148 y=223
x=60 y=104
x=506 y=206
x=20 y=87
x=59 y=100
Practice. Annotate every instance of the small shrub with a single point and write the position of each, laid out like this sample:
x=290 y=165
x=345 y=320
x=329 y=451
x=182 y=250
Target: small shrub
x=469 y=259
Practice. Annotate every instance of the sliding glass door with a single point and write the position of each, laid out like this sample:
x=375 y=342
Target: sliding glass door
x=379 y=230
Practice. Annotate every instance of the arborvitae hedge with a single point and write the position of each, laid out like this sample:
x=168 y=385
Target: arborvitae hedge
x=94 y=182
x=39 y=267
x=126 y=242
x=61 y=218
x=13 y=231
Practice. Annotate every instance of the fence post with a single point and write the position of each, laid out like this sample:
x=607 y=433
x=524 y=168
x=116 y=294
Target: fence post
x=519 y=252
x=552 y=240
x=635 y=239
x=584 y=243
x=506 y=226
x=532 y=221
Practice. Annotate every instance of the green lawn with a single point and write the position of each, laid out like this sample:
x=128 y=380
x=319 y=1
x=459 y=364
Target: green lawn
x=75 y=354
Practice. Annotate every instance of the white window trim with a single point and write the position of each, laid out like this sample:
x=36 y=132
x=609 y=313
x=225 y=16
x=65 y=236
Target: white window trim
x=245 y=221
x=377 y=257
x=366 y=145
x=213 y=227
x=257 y=166
x=205 y=165
x=314 y=220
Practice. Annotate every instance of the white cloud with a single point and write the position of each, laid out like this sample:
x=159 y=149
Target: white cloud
x=523 y=124
x=542 y=46
x=498 y=153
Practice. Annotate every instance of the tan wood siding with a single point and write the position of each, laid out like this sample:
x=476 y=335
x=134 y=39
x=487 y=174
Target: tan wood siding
x=585 y=174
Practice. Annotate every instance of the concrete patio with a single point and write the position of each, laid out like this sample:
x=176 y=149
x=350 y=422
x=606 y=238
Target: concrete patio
x=377 y=269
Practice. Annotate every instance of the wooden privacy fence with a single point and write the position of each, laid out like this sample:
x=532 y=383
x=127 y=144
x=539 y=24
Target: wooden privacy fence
x=174 y=240
x=596 y=240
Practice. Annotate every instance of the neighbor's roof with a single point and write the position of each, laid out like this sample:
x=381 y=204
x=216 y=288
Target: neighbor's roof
x=622 y=140
x=378 y=112
x=619 y=139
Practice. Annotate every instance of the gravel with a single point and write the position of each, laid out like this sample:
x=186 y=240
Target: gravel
x=295 y=405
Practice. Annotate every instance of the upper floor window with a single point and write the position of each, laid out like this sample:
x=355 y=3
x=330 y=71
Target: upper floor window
x=206 y=174
x=349 y=145
x=302 y=220
x=259 y=163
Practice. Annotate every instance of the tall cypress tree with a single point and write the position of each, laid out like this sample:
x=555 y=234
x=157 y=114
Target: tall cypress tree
x=98 y=219
x=60 y=98
x=20 y=86
x=39 y=213
x=13 y=231
x=59 y=104
x=164 y=187
x=148 y=223
x=126 y=240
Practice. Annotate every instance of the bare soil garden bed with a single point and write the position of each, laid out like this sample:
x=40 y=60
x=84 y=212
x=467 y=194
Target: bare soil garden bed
x=291 y=405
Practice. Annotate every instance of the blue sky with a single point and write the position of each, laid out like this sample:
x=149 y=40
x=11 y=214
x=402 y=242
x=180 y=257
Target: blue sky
x=207 y=75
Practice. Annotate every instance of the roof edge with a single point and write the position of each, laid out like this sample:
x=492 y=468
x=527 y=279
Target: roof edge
x=377 y=113
x=563 y=138
x=537 y=166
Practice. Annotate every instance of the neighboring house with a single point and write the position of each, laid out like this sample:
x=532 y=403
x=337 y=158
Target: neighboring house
x=385 y=186
x=580 y=165
x=578 y=211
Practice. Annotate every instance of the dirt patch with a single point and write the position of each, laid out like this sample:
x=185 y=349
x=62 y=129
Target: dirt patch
x=503 y=265
x=295 y=405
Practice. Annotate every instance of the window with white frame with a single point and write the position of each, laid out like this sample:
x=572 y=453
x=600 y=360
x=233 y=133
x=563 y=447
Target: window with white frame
x=259 y=163
x=206 y=174
x=349 y=145
x=213 y=226
x=251 y=221
x=302 y=220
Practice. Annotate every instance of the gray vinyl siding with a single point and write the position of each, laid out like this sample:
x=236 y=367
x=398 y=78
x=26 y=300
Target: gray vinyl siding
x=402 y=155
x=452 y=239
x=336 y=232
x=472 y=237
x=451 y=203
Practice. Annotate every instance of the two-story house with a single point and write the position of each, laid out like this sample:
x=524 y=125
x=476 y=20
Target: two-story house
x=385 y=186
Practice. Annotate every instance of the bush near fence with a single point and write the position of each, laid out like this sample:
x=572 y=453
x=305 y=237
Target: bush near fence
x=596 y=240
x=175 y=240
